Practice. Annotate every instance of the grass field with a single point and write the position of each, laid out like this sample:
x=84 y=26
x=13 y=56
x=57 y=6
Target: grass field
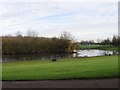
x=101 y=47
x=76 y=68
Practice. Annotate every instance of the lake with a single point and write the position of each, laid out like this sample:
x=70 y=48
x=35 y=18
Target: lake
x=92 y=53
x=80 y=53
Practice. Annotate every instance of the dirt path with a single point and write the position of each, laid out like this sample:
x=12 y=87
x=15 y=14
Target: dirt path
x=92 y=83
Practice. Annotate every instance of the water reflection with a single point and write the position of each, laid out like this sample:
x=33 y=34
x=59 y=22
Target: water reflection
x=92 y=53
x=81 y=53
x=6 y=58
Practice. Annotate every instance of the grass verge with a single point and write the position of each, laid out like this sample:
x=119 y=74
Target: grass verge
x=75 y=68
x=100 y=47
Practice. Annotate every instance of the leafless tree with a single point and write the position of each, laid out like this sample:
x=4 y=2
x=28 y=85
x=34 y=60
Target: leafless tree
x=32 y=33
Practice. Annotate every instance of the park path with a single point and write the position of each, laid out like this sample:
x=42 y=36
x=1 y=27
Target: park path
x=82 y=83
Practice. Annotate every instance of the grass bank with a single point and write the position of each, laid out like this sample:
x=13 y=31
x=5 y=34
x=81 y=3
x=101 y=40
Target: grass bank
x=76 y=68
x=101 y=47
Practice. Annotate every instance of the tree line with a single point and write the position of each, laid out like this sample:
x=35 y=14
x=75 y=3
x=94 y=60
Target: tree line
x=114 y=41
x=32 y=44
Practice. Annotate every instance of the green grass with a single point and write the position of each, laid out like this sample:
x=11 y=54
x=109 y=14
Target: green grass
x=94 y=67
x=89 y=47
x=101 y=47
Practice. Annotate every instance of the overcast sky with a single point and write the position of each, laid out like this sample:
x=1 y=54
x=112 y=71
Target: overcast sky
x=84 y=20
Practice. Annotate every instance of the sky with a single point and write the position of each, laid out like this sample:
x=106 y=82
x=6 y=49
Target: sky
x=84 y=20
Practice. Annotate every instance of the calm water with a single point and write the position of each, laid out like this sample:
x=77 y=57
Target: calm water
x=81 y=53
x=92 y=53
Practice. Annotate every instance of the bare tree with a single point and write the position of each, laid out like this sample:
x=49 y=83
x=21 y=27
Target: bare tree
x=32 y=33
x=18 y=34
x=66 y=35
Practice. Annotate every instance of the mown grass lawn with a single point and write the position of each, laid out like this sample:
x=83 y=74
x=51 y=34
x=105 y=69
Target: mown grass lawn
x=76 y=68
x=100 y=47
